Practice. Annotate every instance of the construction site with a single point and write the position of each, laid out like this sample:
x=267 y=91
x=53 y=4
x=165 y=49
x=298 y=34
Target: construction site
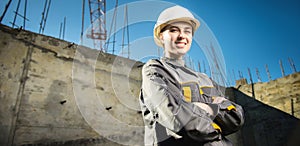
x=56 y=92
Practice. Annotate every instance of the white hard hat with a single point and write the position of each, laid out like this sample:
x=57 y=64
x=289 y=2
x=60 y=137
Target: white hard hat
x=170 y=15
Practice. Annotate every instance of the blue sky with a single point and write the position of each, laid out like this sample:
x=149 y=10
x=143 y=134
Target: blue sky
x=250 y=33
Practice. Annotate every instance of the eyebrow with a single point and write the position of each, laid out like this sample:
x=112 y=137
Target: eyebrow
x=188 y=27
x=172 y=26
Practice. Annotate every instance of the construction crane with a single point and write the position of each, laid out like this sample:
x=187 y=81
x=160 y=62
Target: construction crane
x=98 y=23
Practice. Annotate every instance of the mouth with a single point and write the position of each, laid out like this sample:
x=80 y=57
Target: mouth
x=180 y=44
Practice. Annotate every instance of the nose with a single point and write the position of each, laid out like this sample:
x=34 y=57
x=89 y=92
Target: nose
x=181 y=35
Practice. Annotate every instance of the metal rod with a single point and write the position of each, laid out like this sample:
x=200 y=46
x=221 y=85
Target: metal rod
x=16 y=13
x=43 y=15
x=60 y=30
x=249 y=73
x=123 y=33
x=258 y=75
x=125 y=30
x=24 y=19
x=64 y=29
x=281 y=68
x=82 y=23
x=269 y=75
x=45 y=20
x=240 y=75
x=292 y=65
x=127 y=27
x=115 y=26
x=113 y=29
x=5 y=10
x=199 y=66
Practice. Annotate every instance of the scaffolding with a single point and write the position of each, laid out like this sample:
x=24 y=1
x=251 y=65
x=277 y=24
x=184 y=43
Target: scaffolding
x=98 y=23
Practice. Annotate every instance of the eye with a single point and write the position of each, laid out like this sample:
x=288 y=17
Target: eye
x=174 y=30
x=188 y=31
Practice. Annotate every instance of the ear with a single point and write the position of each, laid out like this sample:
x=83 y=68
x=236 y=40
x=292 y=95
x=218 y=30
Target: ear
x=161 y=37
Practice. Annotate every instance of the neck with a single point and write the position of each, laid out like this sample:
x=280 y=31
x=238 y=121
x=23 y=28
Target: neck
x=173 y=56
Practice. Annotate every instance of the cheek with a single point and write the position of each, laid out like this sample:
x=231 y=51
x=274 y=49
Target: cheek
x=190 y=39
x=166 y=37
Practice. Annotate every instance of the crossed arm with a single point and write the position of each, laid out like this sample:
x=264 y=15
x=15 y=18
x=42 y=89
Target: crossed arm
x=163 y=101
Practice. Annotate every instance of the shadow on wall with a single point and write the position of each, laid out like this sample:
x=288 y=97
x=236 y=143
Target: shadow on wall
x=265 y=125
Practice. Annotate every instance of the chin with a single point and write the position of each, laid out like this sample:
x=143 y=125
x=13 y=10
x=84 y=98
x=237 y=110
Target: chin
x=183 y=51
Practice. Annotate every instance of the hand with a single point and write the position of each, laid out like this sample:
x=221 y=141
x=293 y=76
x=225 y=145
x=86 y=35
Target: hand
x=219 y=99
x=204 y=107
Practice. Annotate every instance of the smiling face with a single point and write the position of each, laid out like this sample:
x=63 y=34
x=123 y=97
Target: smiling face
x=177 y=39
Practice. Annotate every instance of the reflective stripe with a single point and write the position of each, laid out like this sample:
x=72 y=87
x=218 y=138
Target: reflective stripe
x=201 y=91
x=231 y=107
x=187 y=92
x=217 y=127
x=205 y=89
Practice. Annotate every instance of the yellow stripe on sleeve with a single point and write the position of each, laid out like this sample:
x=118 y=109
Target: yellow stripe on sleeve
x=217 y=127
x=231 y=107
x=187 y=92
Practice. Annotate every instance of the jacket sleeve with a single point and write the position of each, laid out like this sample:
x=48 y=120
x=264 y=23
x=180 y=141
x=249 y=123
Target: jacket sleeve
x=162 y=97
x=230 y=116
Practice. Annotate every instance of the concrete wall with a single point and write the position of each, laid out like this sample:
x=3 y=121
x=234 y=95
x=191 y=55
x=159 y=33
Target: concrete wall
x=38 y=103
x=264 y=125
x=280 y=93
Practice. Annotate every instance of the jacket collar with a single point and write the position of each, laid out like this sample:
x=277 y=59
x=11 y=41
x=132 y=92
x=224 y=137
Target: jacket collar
x=178 y=62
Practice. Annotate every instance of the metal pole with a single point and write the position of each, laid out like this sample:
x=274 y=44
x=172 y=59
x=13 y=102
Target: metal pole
x=60 y=30
x=123 y=32
x=16 y=13
x=82 y=23
x=281 y=68
x=258 y=76
x=292 y=65
x=269 y=75
x=45 y=20
x=5 y=10
x=127 y=27
x=115 y=26
x=64 y=28
x=24 y=19
x=199 y=66
x=43 y=15
x=240 y=75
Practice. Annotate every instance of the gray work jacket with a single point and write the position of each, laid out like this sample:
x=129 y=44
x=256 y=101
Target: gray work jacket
x=170 y=117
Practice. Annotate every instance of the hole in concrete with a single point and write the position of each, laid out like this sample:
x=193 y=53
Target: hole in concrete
x=108 y=108
x=100 y=88
x=63 y=101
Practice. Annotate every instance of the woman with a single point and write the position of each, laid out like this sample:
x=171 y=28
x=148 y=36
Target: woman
x=181 y=106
